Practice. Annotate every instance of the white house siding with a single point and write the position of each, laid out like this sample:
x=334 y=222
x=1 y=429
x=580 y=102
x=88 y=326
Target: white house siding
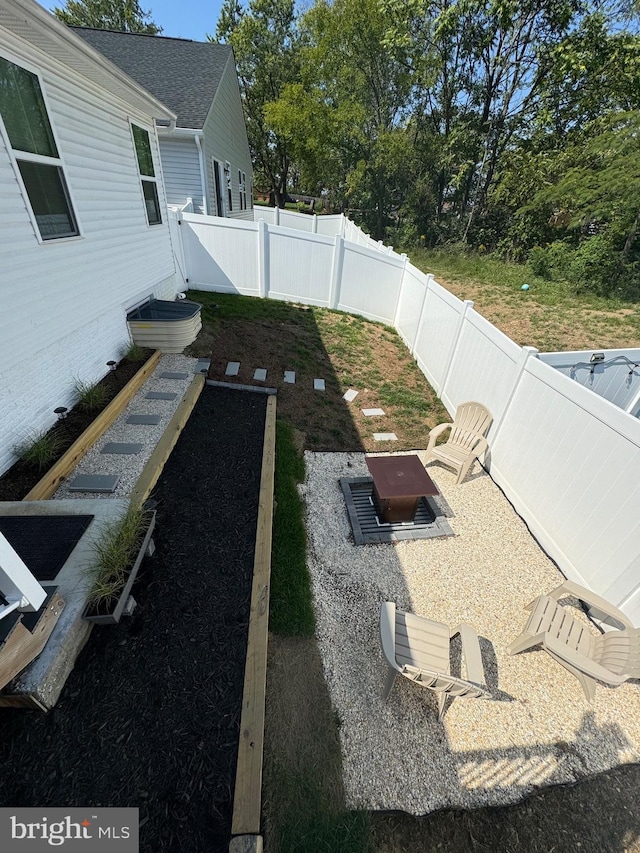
x=63 y=303
x=181 y=167
x=225 y=139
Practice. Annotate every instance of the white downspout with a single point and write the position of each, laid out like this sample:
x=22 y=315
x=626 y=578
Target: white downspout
x=203 y=176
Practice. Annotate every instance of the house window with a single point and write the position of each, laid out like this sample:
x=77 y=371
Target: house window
x=147 y=174
x=227 y=176
x=28 y=129
x=218 y=187
x=242 y=185
x=240 y=189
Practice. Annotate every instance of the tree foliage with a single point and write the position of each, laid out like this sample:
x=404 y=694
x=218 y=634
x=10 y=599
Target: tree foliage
x=122 y=15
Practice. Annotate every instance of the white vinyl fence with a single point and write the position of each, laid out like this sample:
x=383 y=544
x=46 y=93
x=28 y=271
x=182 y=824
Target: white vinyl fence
x=567 y=459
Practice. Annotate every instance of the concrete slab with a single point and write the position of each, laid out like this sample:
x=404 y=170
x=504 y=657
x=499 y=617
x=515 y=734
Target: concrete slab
x=202 y=364
x=350 y=395
x=161 y=395
x=104 y=483
x=290 y=376
x=372 y=413
x=169 y=375
x=148 y=420
x=261 y=374
x=45 y=677
x=385 y=436
x=233 y=367
x=318 y=385
x=122 y=448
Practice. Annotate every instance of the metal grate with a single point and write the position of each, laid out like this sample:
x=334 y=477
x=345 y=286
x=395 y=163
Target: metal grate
x=430 y=521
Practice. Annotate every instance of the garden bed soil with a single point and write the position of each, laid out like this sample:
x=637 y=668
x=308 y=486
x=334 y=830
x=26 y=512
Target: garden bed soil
x=150 y=716
x=23 y=476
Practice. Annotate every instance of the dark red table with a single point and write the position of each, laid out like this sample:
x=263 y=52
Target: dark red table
x=399 y=483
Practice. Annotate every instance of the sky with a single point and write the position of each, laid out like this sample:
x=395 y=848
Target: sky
x=189 y=19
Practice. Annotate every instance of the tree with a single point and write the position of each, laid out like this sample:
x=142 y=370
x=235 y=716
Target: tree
x=122 y=15
x=264 y=39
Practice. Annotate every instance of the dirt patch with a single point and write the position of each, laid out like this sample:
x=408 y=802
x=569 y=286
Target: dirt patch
x=23 y=476
x=346 y=352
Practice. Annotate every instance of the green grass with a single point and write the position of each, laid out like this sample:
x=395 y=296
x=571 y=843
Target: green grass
x=91 y=398
x=40 y=449
x=291 y=603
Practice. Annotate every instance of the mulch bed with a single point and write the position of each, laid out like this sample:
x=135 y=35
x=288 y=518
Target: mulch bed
x=23 y=476
x=150 y=716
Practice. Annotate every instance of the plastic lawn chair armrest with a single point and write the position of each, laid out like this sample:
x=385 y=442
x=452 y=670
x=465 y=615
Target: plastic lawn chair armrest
x=592 y=599
x=581 y=662
x=436 y=432
x=480 y=447
x=388 y=633
x=471 y=653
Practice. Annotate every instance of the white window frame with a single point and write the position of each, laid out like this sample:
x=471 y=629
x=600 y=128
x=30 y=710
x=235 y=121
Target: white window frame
x=218 y=170
x=15 y=155
x=228 y=186
x=141 y=178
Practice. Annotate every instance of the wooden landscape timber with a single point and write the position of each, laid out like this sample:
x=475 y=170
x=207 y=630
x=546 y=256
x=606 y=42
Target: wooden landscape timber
x=248 y=789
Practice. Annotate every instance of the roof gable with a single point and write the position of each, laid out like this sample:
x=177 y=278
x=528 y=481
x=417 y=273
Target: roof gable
x=182 y=74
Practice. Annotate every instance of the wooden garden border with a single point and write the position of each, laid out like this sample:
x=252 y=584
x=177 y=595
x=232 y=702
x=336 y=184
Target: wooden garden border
x=45 y=487
x=152 y=470
x=247 y=798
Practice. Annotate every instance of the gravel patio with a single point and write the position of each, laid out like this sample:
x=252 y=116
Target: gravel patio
x=539 y=732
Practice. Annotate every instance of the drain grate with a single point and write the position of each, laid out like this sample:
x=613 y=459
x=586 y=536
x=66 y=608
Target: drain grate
x=430 y=521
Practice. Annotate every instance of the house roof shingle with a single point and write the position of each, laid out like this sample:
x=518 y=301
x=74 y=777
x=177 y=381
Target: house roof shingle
x=182 y=74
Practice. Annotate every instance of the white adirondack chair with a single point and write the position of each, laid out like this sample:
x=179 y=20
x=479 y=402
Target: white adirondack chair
x=466 y=441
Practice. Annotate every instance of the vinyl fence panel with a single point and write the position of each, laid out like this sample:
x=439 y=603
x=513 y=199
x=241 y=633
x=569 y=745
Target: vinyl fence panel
x=483 y=368
x=370 y=283
x=437 y=333
x=299 y=266
x=221 y=254
x=570 y=463
x=411 y=304
x=330 y=225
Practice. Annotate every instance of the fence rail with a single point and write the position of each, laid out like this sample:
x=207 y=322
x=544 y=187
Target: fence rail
x=567 y=459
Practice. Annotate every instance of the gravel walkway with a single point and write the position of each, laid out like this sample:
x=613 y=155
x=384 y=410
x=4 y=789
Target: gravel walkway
x=540 y=732
x=129 y=467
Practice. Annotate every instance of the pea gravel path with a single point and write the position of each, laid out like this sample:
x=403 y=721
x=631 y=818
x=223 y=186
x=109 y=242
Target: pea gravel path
x=540 y=731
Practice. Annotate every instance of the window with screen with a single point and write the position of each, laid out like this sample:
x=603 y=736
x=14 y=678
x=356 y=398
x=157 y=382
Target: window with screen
x=28 y=130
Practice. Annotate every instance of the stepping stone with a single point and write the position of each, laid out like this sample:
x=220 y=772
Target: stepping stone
x=318 y=385
x=385 y=436
x=203 y=364
x=232 y=368
x=290 y=377
x=149 y=420
x=94 y=483
x=174 y=376
x=161 y=395
x=372 y=413
x=350 y=395
x=260 y=375
x=122 y=448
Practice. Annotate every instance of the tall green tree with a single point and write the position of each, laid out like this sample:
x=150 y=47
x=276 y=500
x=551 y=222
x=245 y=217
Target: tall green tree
x=264 y=41
x=122 y=15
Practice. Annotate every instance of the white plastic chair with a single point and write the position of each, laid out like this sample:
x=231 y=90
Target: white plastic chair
x=466 y=441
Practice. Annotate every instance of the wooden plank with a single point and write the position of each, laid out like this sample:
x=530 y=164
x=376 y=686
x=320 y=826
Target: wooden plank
x=152 y=470
x=248 y=790
x=23 y=645
x=27 y=701
x=45 y=488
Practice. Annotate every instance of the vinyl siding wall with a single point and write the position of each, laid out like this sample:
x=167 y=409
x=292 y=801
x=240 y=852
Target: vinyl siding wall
x=225 y=139
x=181 y=167
x=63 y=303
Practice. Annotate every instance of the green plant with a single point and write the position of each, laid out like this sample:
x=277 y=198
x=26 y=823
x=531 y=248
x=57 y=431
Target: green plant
x=133 y=352
x=291 y=604
x=115 y=551
x=40 y=449
x=91 y=398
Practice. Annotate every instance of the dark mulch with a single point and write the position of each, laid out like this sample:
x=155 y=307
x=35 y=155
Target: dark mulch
x=150 y=716
x=23 y=476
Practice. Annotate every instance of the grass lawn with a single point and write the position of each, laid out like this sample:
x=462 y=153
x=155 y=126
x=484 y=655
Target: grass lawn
x=547 y=316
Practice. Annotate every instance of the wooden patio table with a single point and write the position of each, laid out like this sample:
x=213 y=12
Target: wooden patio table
x=399 y=484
